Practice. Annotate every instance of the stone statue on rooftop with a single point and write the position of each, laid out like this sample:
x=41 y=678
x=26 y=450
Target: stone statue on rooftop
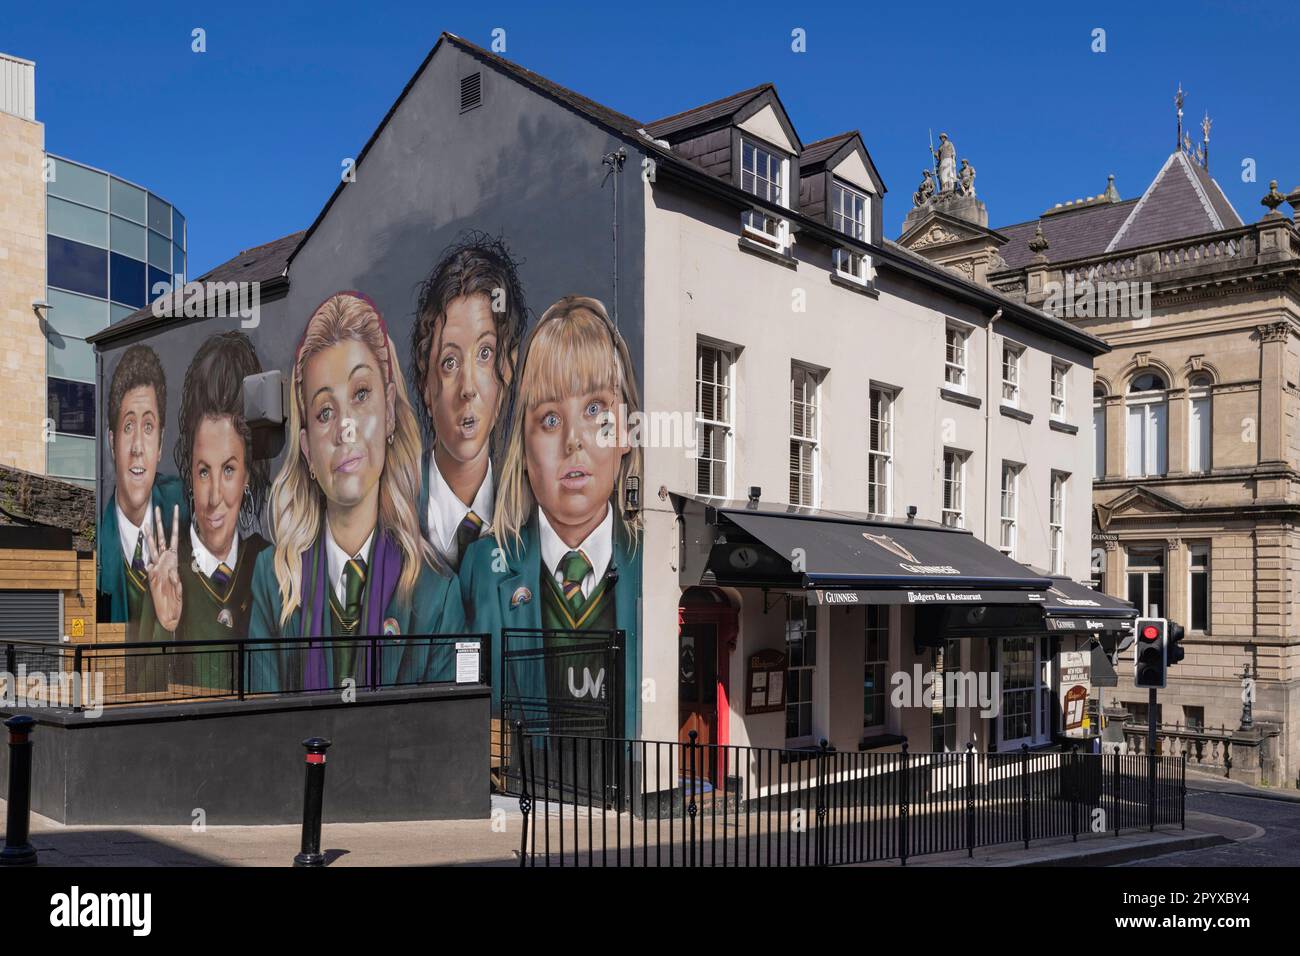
x=967 y=175
x=925 y=190
x=946 y=162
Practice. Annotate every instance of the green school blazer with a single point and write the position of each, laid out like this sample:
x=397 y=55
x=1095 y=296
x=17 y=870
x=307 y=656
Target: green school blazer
x=205 y=616
x=511 y=598
x=111 y=581
x=434 y=608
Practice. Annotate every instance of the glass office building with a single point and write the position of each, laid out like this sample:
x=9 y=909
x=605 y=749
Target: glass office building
x=112 y=247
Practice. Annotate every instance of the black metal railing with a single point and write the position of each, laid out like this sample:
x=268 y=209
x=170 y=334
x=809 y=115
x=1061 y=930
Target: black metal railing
x=135 y=672
x=591 y=801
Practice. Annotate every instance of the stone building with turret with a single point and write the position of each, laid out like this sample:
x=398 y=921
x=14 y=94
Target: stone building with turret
x=1196 y=480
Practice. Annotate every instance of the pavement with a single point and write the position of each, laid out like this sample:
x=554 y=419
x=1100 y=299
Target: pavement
x=1203 y=831
x=491 y=842
x=495 y=842
x=1215 y=783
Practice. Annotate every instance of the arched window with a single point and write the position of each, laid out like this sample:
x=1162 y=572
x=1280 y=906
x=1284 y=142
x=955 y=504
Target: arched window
x=1098 y=431
x=1147 y=437
x=1199 y=456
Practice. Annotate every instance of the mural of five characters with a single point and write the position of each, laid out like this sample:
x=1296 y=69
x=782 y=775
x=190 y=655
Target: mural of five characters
x=488 y=495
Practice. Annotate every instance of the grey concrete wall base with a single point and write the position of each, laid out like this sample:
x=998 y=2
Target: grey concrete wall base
x=414 y=754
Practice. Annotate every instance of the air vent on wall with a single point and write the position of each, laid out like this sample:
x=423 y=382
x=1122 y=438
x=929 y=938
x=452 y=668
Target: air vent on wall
x=471 y=91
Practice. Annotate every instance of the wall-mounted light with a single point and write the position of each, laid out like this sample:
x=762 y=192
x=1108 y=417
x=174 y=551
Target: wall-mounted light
x=39 y=306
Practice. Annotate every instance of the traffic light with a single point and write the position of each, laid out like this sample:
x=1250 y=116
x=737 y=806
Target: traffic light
x=1149 y=661
x=1174 y=645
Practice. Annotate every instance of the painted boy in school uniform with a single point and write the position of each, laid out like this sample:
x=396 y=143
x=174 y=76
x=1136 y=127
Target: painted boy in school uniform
x=563 y=556
x=137 y=415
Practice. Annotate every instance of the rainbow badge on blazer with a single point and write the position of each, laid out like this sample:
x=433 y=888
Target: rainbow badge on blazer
x=521 y=596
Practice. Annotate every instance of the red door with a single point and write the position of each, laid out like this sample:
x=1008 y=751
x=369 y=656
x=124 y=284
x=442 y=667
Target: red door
x=708 y=626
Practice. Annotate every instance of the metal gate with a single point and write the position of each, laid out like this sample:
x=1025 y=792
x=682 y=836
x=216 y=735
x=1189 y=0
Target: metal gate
x=557 y=682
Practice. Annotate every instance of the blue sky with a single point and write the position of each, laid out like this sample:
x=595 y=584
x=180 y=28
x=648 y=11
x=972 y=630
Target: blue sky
x=247 y=138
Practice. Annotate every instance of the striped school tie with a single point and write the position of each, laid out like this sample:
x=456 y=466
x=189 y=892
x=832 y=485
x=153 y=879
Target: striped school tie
x=466 y=534
x=354 y=581
x=137 y=559
x=221 y=577
x=573 y=568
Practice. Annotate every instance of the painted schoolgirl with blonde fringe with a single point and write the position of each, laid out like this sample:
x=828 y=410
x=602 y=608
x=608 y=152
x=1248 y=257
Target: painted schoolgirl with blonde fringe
x=348 y=559
x=563 y=557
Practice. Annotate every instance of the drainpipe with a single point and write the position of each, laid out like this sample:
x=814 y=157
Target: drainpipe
x=988 y=455
x=615 y=161
x=988 y=421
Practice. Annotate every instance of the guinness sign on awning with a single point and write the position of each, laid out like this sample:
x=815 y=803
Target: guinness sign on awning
x=845 y=558
x=1070 y=606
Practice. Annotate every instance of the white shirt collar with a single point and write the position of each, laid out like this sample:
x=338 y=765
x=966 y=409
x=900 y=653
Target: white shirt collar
x=597 y=546
x=205 y=559
x=446 y=511
x=129 y=533
x=336 y=558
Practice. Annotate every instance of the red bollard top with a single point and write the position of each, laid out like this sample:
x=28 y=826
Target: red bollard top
x=316 y=747
x=20 y=728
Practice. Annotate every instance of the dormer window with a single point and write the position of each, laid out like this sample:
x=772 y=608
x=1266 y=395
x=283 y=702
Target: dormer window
x=764 y=173
x=850 y=214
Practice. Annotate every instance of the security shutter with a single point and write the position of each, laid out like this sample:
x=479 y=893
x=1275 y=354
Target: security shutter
x=30 y=615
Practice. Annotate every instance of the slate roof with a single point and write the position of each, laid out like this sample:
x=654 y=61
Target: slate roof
x=1070 y=235
x=1179 y=202
x=258 y=264
x=815 y=154
x=709 y=112
x=1183 y=200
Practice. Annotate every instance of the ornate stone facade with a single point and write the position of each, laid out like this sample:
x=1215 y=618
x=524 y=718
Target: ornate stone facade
x=1198 y=474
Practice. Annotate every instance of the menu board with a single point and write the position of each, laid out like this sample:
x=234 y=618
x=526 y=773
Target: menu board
x=1073 y=668
x=765 y=682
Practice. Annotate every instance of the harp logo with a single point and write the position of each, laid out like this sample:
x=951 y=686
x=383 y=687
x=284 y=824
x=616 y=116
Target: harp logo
x=890 y=545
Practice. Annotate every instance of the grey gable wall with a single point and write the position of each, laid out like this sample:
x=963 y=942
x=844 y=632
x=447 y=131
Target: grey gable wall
x=520 y=165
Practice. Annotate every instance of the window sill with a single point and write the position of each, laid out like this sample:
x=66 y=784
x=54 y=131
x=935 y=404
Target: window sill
x=1059 y=426
x=854 y=285
x=880 y=742
x=961 y=398
x=1010 y=411
x=767 y=252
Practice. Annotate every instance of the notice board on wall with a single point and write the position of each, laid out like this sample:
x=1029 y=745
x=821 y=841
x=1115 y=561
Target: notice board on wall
x=765 y=682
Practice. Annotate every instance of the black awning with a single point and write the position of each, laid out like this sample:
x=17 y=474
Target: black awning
x=845 y=558
x=1071 y=606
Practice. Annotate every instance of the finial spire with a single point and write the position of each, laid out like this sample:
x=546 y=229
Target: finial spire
x=1178 y=102
x=1206 y=123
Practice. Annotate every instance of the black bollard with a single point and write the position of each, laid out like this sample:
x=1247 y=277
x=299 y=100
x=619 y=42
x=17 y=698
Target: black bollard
x=18 y=850
x=311 y=803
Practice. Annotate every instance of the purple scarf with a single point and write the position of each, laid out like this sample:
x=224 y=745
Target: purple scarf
x=385 y=567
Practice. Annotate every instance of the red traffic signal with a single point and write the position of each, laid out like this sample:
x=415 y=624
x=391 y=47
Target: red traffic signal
x=1149 y=658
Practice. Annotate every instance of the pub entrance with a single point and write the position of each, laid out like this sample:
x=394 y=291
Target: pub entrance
x=707 y=627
